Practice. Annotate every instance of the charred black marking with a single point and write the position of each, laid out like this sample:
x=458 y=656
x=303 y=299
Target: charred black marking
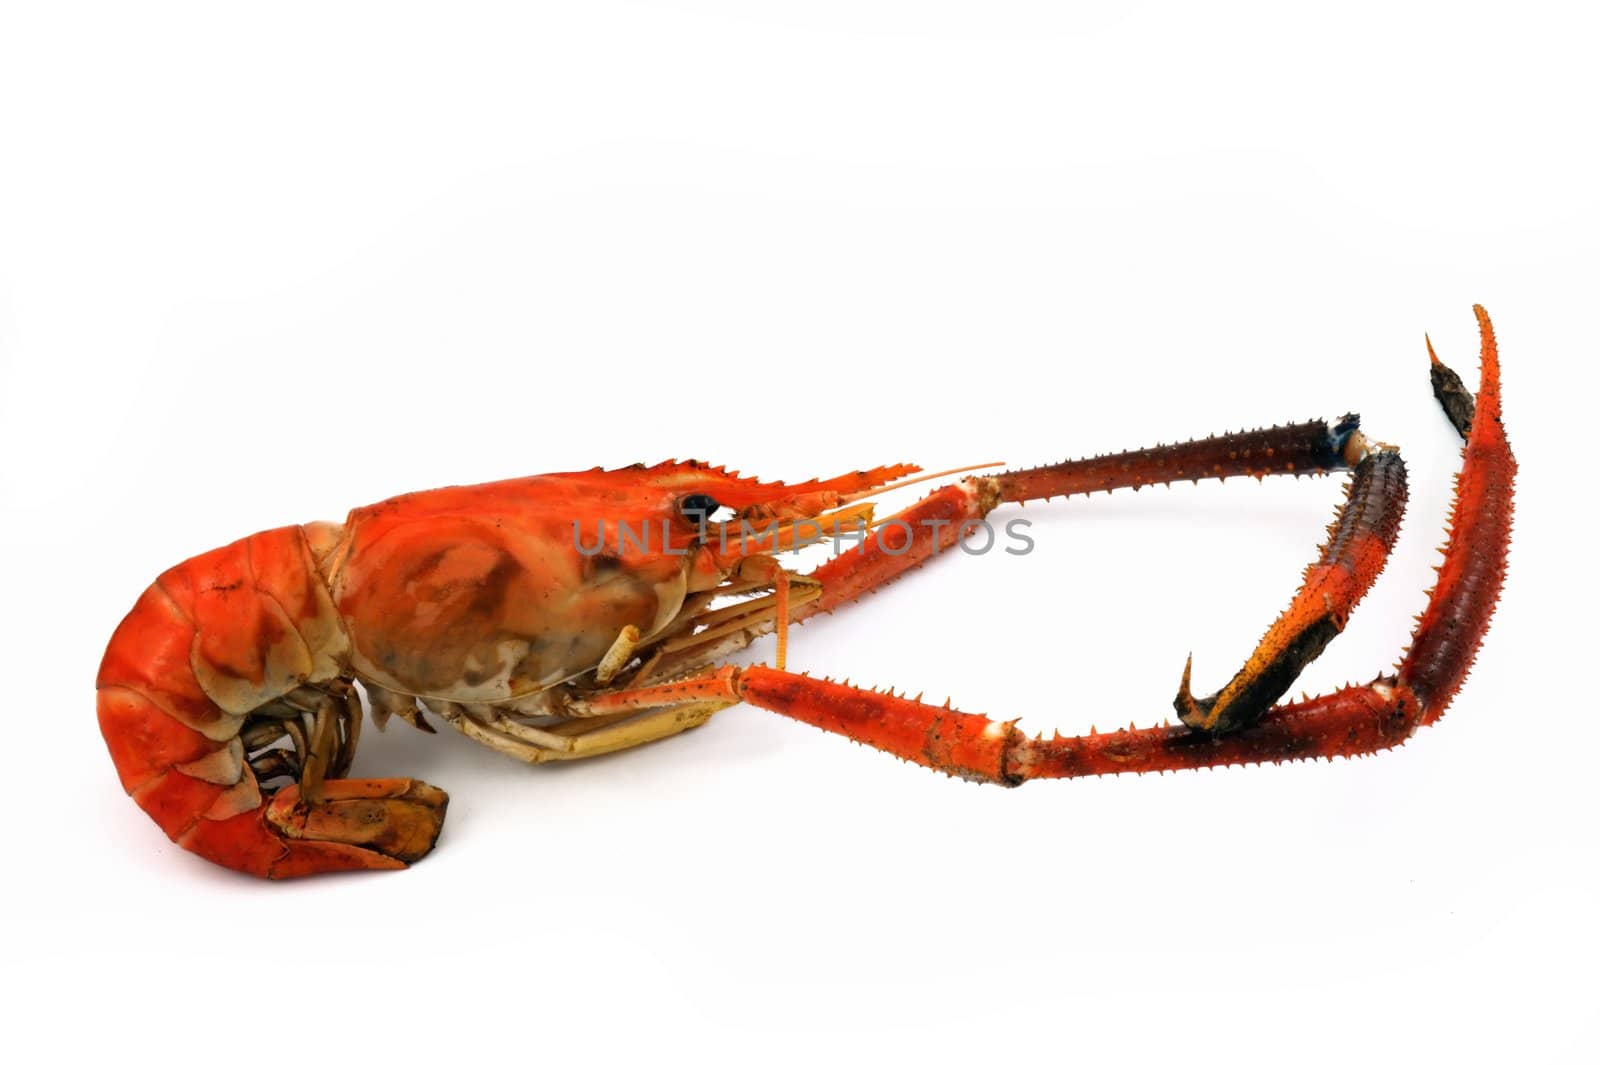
x=1374 y=505
x=1453 y=396
x=1263 y=691
x=1337 y=439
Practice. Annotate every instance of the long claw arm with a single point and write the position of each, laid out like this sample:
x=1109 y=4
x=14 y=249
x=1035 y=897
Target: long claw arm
x=935 y=523
x=1301 y=449
x=1360 y=539
x=1355 y=720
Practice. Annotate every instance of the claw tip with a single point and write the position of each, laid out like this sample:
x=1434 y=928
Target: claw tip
x=1185 y=702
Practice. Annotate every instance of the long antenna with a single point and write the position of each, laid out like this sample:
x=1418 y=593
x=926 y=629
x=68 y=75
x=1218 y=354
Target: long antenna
x=892 y=485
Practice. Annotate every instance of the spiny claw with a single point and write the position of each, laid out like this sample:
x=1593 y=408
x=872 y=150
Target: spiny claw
x=1359 y=540
x=1295 y=639
x=1470 y=578
x=1196 y=713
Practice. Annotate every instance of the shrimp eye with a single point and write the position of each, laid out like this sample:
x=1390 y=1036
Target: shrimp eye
x=700 y=508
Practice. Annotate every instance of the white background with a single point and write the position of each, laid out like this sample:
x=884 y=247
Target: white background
x=260 y=268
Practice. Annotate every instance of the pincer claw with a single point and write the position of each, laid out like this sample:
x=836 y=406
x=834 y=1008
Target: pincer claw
x=1191 y=711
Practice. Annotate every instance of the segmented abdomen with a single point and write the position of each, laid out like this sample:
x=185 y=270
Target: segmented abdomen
x=211 y=640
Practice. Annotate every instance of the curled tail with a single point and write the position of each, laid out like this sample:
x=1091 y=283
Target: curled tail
x=220 y=657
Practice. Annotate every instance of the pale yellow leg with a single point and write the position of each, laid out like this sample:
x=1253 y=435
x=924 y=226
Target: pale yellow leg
x=584 y=738
x=727 y=629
